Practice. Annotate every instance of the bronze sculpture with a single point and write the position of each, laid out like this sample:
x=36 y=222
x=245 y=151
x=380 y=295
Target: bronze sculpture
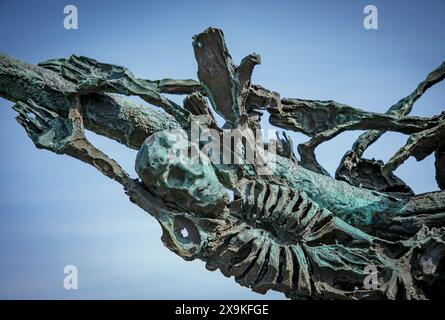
x=290 y=227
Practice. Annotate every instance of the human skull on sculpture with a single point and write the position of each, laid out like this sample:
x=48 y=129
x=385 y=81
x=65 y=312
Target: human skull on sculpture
x=175 y=169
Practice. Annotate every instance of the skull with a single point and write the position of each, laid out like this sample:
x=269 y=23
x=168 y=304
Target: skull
x=166 y=168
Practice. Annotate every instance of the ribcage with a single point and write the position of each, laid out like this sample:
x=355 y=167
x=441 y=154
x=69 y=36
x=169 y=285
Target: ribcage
x=280 y=207
x=283 y=243
x=257 y=260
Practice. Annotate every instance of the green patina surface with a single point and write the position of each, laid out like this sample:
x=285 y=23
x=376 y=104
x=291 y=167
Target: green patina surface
x=296 y=229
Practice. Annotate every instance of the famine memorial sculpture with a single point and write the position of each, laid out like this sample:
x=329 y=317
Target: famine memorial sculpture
x=289 y=226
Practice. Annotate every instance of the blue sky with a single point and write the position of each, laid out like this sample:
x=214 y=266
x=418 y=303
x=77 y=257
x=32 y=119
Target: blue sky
x=56 y=211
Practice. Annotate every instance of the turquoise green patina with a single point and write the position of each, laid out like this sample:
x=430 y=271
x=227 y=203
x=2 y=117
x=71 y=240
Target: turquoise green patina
x=296 y=229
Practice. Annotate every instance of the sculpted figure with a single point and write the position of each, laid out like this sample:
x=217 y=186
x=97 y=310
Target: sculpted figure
x=288 y=226
x=270 y=236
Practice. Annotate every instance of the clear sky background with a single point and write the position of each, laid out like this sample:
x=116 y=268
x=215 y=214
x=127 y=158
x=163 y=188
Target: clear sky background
x=56 y=211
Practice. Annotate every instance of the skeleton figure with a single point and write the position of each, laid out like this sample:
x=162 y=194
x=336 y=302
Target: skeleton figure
x=269 y=237
x=299 y=232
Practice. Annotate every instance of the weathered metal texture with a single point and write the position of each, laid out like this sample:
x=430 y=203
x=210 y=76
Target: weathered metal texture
x=440 y=166
x=226 y=85
x=296 y=230
x=107 y=114
x=270 y=236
